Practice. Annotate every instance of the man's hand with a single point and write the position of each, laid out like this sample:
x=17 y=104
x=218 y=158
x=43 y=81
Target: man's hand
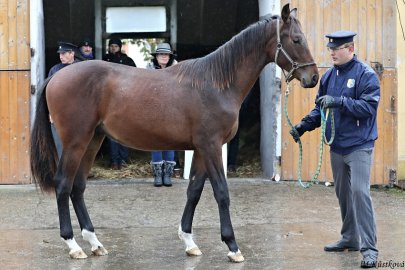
x=297 y=132
x=328 y=101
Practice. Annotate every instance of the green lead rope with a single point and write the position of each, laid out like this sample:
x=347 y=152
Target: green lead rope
x=324 y=118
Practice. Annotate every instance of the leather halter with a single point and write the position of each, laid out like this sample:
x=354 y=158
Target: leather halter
x=294 y=64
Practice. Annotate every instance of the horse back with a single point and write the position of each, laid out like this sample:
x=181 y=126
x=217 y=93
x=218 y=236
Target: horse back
x=144 y=109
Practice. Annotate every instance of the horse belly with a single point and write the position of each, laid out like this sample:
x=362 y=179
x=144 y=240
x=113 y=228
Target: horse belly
x=148 y=136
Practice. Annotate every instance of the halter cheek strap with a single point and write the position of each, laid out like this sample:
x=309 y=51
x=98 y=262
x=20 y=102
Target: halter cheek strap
x=294 y=64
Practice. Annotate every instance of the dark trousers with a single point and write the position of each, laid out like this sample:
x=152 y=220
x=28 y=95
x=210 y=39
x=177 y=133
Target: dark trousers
x=351 y=174
x=57 y=141
x=233 y=149
x=118 y=153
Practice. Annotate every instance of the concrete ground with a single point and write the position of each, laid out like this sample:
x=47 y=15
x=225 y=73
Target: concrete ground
x=278 y=225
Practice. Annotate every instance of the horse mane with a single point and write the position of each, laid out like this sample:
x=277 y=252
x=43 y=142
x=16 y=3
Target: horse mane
x=219 y=67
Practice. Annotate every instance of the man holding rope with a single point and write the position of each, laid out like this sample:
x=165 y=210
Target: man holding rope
x=352 y=89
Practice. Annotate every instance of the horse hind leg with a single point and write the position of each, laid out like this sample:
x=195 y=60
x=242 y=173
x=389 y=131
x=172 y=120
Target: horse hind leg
x=194 y=190
x=77 y=197
x=64 y=179
x=86 y=225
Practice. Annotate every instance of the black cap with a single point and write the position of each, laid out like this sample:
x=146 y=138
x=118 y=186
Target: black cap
x=116 y=41
x=339 y=38
x=86 y=42
x=66 y=47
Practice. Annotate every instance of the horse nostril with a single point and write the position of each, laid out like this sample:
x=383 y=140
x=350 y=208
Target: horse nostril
x=315 y=79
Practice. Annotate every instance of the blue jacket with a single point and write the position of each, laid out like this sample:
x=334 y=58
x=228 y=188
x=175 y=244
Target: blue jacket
x=356 y=119
x=58 y=67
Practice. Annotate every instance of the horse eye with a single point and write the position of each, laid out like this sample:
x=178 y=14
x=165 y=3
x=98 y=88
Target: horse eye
x=297 y=41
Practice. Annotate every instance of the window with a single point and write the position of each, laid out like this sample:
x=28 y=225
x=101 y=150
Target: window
x=136 y=19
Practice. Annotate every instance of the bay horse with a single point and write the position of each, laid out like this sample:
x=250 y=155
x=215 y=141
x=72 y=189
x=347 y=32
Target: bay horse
x=193 y=105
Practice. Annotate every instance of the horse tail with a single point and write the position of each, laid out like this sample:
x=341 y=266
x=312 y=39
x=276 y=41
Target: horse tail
x=43 y=156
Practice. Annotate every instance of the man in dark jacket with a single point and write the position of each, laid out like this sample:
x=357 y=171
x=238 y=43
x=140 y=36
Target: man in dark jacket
x=115 y=54
x=118 y=152
x=352 y=89
x=67 y=57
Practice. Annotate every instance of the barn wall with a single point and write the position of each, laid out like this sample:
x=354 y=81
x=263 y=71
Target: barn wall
x=14 y=91
x=401 y=90
x=375 y=23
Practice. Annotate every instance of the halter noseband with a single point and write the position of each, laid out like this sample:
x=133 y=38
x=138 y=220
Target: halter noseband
x=294 y=64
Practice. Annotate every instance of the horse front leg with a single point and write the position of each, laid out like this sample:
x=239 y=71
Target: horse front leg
x=194 y=190
x=216 y=174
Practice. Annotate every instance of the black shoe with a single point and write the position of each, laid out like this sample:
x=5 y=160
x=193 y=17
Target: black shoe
x=232 y=168
x=115 y=166
x=339 y=246
x=368 y=262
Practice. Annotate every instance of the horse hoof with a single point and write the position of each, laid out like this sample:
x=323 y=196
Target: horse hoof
x=79 y=254
x=236 y=257
x=195 y=251
x=100 y=251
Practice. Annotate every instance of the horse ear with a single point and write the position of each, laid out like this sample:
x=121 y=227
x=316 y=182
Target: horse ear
x=285 y=13
x=293 y=13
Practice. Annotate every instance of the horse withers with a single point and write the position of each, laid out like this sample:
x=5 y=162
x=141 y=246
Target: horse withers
x=190 y=106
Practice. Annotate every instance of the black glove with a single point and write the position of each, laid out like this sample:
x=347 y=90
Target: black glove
x=327 y=101
x=297 y=132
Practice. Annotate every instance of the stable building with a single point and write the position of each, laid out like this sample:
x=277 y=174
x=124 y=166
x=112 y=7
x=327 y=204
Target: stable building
x=30 y=30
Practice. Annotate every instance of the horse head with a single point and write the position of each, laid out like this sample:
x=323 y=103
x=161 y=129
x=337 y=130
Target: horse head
x=292 y=52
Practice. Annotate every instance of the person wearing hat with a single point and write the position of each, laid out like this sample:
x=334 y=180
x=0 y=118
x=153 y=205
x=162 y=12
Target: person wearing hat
x=67 y=53
x=162 y=161
x=119 y=153
x=86 y=49
x=115 y=54
x=352 y=89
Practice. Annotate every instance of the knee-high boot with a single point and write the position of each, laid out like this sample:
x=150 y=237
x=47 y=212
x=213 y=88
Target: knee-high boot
x=157 y=173
x=168 y=172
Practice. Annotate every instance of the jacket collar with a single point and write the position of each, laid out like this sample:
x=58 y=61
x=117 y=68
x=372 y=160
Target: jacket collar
x=347 y=66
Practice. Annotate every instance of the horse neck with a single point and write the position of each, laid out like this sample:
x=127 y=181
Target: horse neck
x=253 y=62
x=236 y=65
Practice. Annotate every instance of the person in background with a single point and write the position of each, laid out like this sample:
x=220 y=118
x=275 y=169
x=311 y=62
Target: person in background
x=352 y=89
x=162 y=161
x=118 y=153
x=86 y=49
x=244 y=112
x=66 y=53
x=115 y=54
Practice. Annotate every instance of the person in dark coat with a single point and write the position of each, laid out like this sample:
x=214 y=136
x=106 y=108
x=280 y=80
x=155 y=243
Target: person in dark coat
x=67 y=53
x=86 y=48
x=115 y=54
x=352 y=89
x=118 y=152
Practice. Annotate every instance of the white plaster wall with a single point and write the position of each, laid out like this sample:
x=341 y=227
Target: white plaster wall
x=37 y=41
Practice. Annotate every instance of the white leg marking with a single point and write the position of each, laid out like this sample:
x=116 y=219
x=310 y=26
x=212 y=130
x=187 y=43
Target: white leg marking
x=191 y=248
x=236 y=257
x=92 y=239
x=76 y=251
x=73 y=246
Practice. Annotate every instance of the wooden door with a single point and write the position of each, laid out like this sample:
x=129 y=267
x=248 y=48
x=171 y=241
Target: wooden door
x=14 y=92
x=374 y=21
